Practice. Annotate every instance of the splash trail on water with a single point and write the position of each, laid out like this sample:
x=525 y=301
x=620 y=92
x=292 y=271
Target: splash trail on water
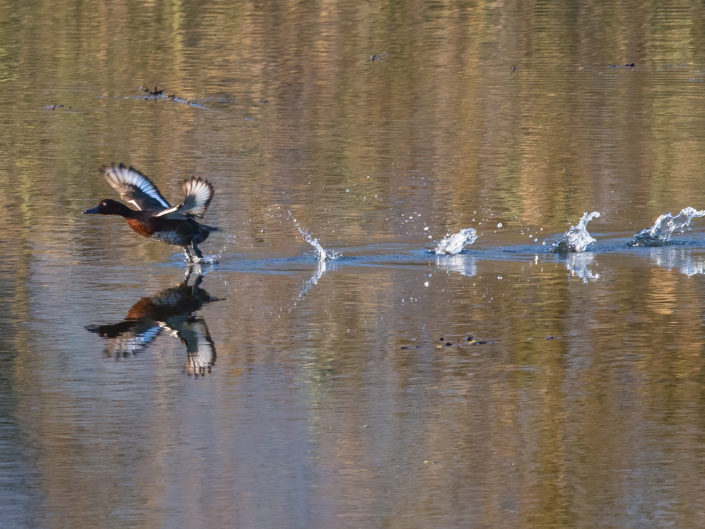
x=455 y=243
x=577 y=238
x=321 y=253
x=660 y=233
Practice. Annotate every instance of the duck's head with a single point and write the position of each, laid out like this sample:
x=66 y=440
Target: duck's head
x=109 y=207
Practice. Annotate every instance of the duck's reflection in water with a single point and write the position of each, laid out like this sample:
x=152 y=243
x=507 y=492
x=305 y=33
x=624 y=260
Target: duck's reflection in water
x=172 y=310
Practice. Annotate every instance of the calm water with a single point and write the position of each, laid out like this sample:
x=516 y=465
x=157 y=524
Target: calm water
x=504 y=387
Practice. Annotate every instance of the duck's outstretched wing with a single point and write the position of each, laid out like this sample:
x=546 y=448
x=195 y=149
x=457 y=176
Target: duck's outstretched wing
x=198 y=195
x=134 y=187
x=200 y=349
x=129 y=337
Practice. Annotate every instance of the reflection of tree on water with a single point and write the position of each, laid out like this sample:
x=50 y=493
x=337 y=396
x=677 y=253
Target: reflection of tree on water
x=173 y=310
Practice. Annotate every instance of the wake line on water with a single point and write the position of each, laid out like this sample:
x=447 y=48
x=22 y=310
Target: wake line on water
x=576 y=240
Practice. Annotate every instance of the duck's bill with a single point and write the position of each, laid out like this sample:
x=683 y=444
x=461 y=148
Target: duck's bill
x=92 y=211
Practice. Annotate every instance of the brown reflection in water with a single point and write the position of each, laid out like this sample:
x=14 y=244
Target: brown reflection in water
x=172 y=309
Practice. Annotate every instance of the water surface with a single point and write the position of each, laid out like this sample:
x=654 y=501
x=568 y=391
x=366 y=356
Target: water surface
x=504 y=386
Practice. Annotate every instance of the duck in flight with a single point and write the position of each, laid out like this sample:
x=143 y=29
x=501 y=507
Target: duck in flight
x=154 y=216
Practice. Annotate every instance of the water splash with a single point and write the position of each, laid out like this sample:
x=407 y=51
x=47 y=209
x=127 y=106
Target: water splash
x=660 y=233
x=321 y=253
x=206 y=260
x=454 y=244
x=215 y=258
x=577 y=238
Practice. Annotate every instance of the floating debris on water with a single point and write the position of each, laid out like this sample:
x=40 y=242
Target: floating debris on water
x=577 y=238
x=321 y=253
x=660 y=233
x=160 y=93
x=472 y=341
x=152 y=93
x=454 y=244
x=57 y=107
